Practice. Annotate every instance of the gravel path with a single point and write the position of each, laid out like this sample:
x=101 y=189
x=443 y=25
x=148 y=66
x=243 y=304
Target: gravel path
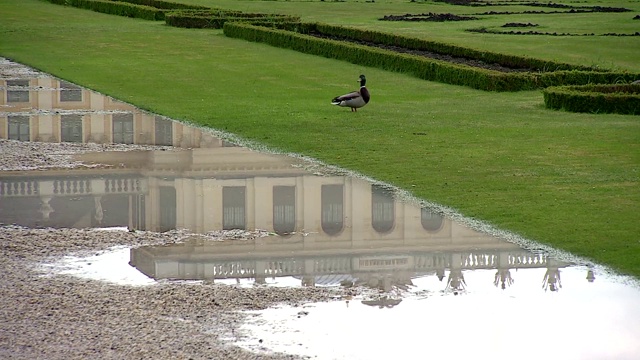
x=51 y=316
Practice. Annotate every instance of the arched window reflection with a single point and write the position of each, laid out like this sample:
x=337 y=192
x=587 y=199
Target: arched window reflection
x=284 y=209
x=233 y=207
x=167 y=208
x=332 y=207
x=431 y=221
x=382 y=209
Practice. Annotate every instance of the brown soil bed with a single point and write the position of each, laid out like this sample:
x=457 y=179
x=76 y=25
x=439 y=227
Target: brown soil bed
x=429 y=54
x=438 y=17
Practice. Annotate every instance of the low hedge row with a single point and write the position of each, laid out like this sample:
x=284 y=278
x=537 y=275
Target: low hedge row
x=293 y=36
x=381 y=38
x=115 y=8
x=160 y=4
x=428 y=69
x=215 y=19
x=615 y=98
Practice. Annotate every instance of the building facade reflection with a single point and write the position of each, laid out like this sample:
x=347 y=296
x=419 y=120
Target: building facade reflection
x=330 y=229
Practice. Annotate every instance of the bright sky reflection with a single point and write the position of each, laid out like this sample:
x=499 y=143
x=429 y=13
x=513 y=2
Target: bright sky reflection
x=583 y=320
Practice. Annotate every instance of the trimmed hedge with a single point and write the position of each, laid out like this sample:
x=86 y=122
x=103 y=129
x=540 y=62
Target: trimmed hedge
x=215 y=19
x=615 y=98
x=143 y=9
x=114 y=7
x=376 y=37
x=166 y=5
x=428 y=69
x=292 y=35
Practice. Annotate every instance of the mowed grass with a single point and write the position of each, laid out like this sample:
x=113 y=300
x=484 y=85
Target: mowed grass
x=564 y=179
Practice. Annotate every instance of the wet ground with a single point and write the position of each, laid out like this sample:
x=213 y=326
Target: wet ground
x=128 y=235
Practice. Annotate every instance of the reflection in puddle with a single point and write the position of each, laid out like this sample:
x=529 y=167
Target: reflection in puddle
x=434 y=286
x=583 y=321
x=110 y=266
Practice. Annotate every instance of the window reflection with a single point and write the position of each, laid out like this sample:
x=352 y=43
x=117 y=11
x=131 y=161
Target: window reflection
x=19 y=128
x=123 y=128
x=233 y=207
x=382 y=209
x=332 y=204
x=164 y=131
x=431 y=221
x=18 y=95
x=71 y=129
x=70 y=92
x=284 y=209
x=167 y=208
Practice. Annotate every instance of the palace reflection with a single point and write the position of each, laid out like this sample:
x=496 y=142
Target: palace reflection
x=331 y=229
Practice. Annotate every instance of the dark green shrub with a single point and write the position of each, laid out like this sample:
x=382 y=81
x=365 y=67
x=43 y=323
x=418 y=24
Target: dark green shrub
x=116 y=8
x=424 y=68
x=292 y=35
x=57 y=2
x=509 y=61
x=215 y=19
x=159 y=4
x=615 y=98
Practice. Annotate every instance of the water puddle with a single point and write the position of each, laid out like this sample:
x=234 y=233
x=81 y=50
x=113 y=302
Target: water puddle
x=433 y=286
x=111 y=266
x=583 y=320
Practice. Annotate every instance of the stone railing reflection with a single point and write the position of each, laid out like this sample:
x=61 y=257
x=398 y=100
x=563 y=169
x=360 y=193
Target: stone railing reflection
x=123 y=185
x=19 y=188
x=522 y=259
x=417 y=263
x=72 y=186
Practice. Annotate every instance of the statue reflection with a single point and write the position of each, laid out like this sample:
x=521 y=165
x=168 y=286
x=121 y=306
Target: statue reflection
x=456 y=283
x=383 y=302
x=551 y=279
x=503 y=278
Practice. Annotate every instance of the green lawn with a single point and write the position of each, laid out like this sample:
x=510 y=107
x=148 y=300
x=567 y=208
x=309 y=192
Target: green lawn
x=564 y=179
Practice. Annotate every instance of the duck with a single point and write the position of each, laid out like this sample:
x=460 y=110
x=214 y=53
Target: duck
x=355 y=99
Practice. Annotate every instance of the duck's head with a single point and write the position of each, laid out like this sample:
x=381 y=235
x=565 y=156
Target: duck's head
x=362 y=80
